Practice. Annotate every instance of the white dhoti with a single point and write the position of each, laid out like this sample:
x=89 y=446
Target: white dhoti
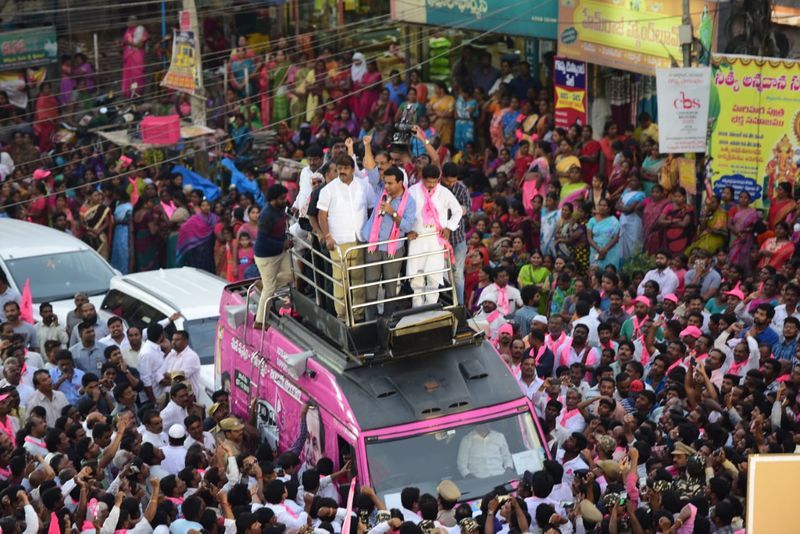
x=425 y=266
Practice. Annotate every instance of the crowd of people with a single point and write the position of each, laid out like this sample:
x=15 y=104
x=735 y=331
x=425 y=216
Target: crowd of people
x=657 y=344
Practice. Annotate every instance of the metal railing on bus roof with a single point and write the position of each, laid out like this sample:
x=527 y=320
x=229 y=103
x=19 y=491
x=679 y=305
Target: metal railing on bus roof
x=347 y=302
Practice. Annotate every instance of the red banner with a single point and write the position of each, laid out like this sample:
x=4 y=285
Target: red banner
x=161 y=130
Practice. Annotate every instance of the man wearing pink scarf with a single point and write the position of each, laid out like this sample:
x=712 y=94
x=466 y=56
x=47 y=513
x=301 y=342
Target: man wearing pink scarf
x=437 y=215
x=508 y=298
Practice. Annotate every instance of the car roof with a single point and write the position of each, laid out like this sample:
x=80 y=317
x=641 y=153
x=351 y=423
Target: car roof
x=22 y=239
x=193 y=292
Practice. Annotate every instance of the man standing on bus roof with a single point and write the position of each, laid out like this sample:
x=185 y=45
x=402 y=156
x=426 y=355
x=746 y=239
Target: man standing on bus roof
x=271 y=248
x=392 y=218
x=342 y=211
x=438 y=214
x=484 y=453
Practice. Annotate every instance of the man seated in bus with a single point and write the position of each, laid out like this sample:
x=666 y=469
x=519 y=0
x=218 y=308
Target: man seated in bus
x=484 y=453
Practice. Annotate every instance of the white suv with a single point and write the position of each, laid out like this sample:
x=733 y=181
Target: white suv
x=145 y=298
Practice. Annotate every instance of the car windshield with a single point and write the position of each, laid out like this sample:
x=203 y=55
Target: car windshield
x=59 y=276
x=477 y=457
x=201 y=335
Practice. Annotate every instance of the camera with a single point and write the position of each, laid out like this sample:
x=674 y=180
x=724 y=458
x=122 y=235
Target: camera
x=401 y=138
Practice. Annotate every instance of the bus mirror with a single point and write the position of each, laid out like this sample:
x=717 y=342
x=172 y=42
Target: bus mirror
x=235 y=315
x=296 y=363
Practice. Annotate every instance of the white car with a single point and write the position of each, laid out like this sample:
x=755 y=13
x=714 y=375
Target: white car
x=145 y=298
x=57 y=265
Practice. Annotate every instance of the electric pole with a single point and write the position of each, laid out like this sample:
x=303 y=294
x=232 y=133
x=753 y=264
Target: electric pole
x=198 y=97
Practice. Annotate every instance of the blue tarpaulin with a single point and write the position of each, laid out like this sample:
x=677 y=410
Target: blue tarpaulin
x=242 y=183
x=210 y=191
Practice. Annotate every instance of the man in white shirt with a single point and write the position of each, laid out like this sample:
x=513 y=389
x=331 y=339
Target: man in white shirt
x=151 y=357
x=51 y=400
x=314 y=157
x=791 y=296
x=342 y=208
x=152 y=430
x=274 y=493
x=484 y=453
x=665 y=277
x=116 y=334
x=194 y=427
x=175 y=452
x=131 y=352
x=175 y=411
x=183 y=358
x=7 y=294
x=49 y=329
x=12 y=376
x=508 y=298
x=433 y=202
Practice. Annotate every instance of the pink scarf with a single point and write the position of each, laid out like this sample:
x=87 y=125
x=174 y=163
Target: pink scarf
x=569 y=414
x=375 y=231
x=8 y=430
x=54 y=527
x=637 y=327
x=552 y=344
x=502 y=299
x=540 y=353
x=430 y=217
x=735 y=366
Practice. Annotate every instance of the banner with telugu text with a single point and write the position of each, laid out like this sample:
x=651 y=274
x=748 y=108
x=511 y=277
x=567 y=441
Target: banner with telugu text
x=570 y=92
x=182 y=74
x=755 y=124
x=637 y=36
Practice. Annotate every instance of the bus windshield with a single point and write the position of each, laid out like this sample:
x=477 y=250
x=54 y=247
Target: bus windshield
x=477 y=457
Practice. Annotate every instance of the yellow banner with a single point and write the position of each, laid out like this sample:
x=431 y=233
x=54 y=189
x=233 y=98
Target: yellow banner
x=182 y=72
x=637 y=36
x=754 y=118
x=572 y=99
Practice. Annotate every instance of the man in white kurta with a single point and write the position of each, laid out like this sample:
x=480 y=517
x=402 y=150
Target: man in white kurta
x=484 y=453
x=438 y=212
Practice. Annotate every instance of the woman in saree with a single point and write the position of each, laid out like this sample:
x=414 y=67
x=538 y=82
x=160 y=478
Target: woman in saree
x=589 y=154
x=280 y=88
x=603 y=234
x=713 y=228
x=776 y=250
x=441 y=111
x=146 y=239
x=242 y=68
x=652 y=207
x=415 y=81
x=46 y=115
x=501 y=103
x=676 y=220
x=196 y=239
x=382 y=112
x=95 y=220
x=315 y=83
x=366 y=85
x=133 y=53
x=610 y=134
x=565 y=159
x=565 y=248
x=122 y=235
x=651 y=168
x=466 y=113
x=598 y=191
x=630 y=221
x=781 y=206
x=618 y=180
x=534 y=272
x=575 y=190
x=178 y=217
x=741 y=220
x=300 y=77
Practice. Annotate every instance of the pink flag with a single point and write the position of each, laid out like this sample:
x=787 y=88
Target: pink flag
x=26 y=303
x=134 y=190
x=346 y=525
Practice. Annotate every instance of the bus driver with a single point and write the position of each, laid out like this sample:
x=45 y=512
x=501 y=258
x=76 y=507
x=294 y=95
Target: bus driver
x=484 y=453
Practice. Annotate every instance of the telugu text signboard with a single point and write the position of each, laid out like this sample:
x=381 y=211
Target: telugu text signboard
x=634 y=36
x=754 y=118
x=570 y=92
x=535 y=18
x=31 y=47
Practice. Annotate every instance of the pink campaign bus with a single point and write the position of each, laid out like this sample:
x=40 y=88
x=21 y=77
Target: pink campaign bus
x=402 y=398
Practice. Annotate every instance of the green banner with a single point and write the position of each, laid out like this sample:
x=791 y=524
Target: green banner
x=28 y=48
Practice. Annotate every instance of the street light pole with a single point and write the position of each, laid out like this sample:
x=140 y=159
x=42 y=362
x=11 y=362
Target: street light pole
x=686 y=34
x=198 y=97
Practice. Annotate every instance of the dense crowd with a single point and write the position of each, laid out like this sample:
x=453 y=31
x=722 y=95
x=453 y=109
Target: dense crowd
x=657 y=344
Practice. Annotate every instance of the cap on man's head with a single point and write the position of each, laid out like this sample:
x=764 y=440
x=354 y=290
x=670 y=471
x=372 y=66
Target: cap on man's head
x=506 y=329
x=213 y=408
x=540 y=319
x=681 y=448
x=448 y=491
x=736 y=292
x=611 y=470
x=637 y=386
x=641 y=299
x=691 y=331
x=177 y=431
x=231 y=424
x=672 y=297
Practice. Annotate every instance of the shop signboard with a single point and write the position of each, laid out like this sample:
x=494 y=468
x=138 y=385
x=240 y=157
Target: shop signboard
x=182 y=73
x=570 y=92
x=529 y=18
x=754 y=117
x=31 y=47
x=683 y=97
x=638 y=36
